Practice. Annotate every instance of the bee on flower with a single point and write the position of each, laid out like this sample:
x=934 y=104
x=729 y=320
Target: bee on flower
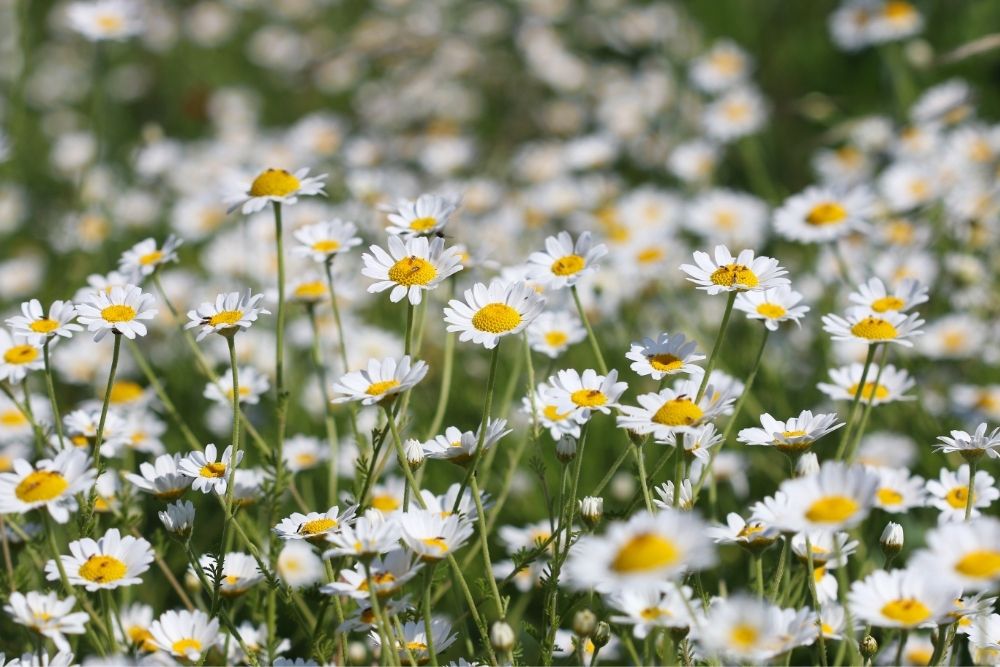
x=410 y=267
x=230 y=313
x=726 y=273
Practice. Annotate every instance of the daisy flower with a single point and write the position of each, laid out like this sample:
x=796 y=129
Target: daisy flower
x=752 y=535
x=898 y=491
x=821 y=214
x=321 y=241
x=209 y=474
x=162 y=478
x=644 y=551
x=119 y=311
x=564 y=263
x=903 y=296
x=304 y=452
x=21 y=356
x=314 y=526
x=582 y=394
x=460 y=448
x=891 y=386
x=382 y=380
x=145 y=257
x=307 y=290
x=950 y=493
x=669 y=354
x=665 y=492
x=737 y=113
x=646 y=609
x=414 y=637
x=51 y=483
x=773 y=306
x=132 y=628
x=185 y=634
x=793 y=436
x=231 y=312
x=109 y=562
x=545 y=409
x=669 y=410
x=387 y=498
x=276 y=186
x=431 y=536
x=728 y=274
x=47 y=615
x=901 y=599
x=81 y=429
x=298 y=565
x=867 y=326
x=971 y=446
x=741 y=629
x=553 y=332
x=37 y=327
x=369 y=535
x=410 y=267
x=491 y=312
x=178 y=518
x=824 y=545
x=696 y=443
x=426 y=215
x=240 y=572
x=966 y=554
x=389 y=574
x=112 y=20
x=725 y=65
x=837 y=497
x=253 y=385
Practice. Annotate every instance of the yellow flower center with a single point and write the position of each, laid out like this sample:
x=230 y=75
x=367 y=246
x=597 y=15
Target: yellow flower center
x=887 y=303
x=793 y=434
x=771 y=310
x=317 y=526
x=555 y=338
x=436 y=542
x=274 y=183
x=142 y=638
x=216 y=469
x=20 y=354
x=744 y=636
x=871 y=389
x=552 y=414
x=326 y=246
x=958 y=497
x=412 y=271
x=645 y=551
x=496 y=318
x=416 y=646
x=589 y=398
x=103 y=569
x=12 y=418
x=110 y=22
x=887 y=496
x=151 y=258
x=183 y=646
x=874 y=328
x=118 y=313
x=568 y=265
x=735 y=275
x=826 y=213
x=385 y=503
x=654 y=613
x=311 y=291
x=44 y=325
x=379 y=388
x=680 y=411
x=649 y=255
x=125 y=391
x=907 y=611
x=832 y=509
x=423 y=224
x=898 y=10
x=979 y=564
x=305 y=459
x=665 y=363
x=41 y=486
x=750 y=529
x=225 y=318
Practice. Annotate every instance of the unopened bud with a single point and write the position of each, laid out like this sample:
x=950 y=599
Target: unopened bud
x=502 y=637
x=807 y=465
x=414 y=453
x=602 y=634
x=868 y=647
x=584 y=623
x=566 y=448
x=892 y=539
x=592 y=509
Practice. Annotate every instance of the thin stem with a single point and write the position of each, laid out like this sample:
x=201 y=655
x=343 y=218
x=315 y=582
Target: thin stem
x=331 y=425
x=279 y=354
x=613 y=469
x=233 y=463
x=860 y=430
x=714 y=356
x=845 y=436
x=811 y=575
x=780 y=572
x=484 y=543
x=426 y=611
x=758 y=566
x=487 y=407
x=470 y=601
x=99 y=438
x=594 y=345
x=640 y=460
x=50 y=387
x=408 y=332
x=411 y=483
x=970 y=500
x=903 y=636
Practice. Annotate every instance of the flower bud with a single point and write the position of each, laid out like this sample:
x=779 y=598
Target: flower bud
x=584 y=623
x=502 y=637
x=414 y=453
x=566 y=448
x=868 y=647
x=591 y=510
x=807 y=465
x=892 y=539
x=602 y=634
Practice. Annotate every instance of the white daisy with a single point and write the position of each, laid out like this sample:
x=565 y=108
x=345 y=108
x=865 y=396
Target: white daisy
x=461 y=447
x=662 y=413
x=145 y=257
x=646 y=609
x=773 y=306
x=950 y=493
x=426 y=215
x=238 y=575
x=414 y=637
x=793 y=436
x=727 y=273
x=209 y=474
x=867 y=326
x=132 y=628
x=37 y=327
x=669 y=354
x=753 y=535
x=737 y=113
x=901 y=599
x=231 y=312
x=971 y=445
x=119 y=311
x=965 y=554
x=321 y=241
x=891 y=386
x=898 y=491
x=389 y=574
x=304 y=452
x=410 y=267
x=298 y=565
x=185 y=634
x=21 y=356
x=838 y=496
x=178 y=518
x=581 y=394
x=431 y=536
x=276 y=186
x=564 y=263
x=553 y=332
x=253 y=385
x=114 y=20
x=382 y=380
x=52 y=483
x=904 y=295
x=109 y=562
x=162 y=478
x=545 y=409
x=370 y=535
x=723 y=66
x=821 y=214
x=491 y=312
x=741 y=629
x=314 y=526
x=47 y=615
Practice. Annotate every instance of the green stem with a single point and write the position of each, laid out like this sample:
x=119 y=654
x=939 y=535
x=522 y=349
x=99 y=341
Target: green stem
x=640 y=460
x=811 y=576
x=970 y=499
x=594 y=345
x=279 y=354
x=713 y=357
x=903 y=636
x=487 y=408
x=758 y=566
x=331 y=425
x=484 y=544
x=426 y=611
x=50 y=387
x=99 y=438
x=860 y=430
x=233 y=462
x=845 y=436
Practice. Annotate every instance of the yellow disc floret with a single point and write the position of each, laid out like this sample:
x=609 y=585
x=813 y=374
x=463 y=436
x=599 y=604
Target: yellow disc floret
x=832 y=509
x=496 y=318
x=735 y=275
x=568 y=265
x=680 y=411
x=103 y=569
x=826 y=213
x=644 y=552
x=41 y=486
x=20 y=354
x=874 y=328
x=412 y=271
x=118 y=313
x=274 y=183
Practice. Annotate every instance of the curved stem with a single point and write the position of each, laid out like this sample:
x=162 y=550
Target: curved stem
x=594 y=345
x=487 y=407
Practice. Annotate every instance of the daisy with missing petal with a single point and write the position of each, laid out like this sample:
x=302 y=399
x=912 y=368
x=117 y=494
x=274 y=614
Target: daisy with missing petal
x=209 y=473
x=37 y=327
x=185 y=634
x=382 y=380
x=667 y=411
x=580 y=395
x=564 y=263
x=426 y=215
x=20 y=357
x=971 y=446
x=644 y=551
x=314 y=526
x=47 y=615
x=410 y=267
x=52 y=484
x=669 y=354
x=773 y=306
x=491 y=312
x=431 y=536
x=109 y=562
x=794 y=436
x=891 y=386
x=145 y=257
x=647 y=609
x=821 y=214
x=901 y=599
x=902 y=297
x=734 y=274
x=460 y=448
x=322 y=241
x=950 y=493
x=898 y=491
x=276 y=186
x=161 y=478
x=119 y=311
x=553 y=332
x=966 y=554
x=867 y=326
x=231 y=312
x=837 y=497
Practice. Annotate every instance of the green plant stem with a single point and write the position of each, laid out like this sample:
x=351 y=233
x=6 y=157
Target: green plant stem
x=411 y=483
x=594 y=345
x=779 y=573
x=51 y=389
x=640 y=460
x=425 y=607
x=331 y=426
x=714 y=356
x=471 y=602
x=487 y=408
x=99 y=438
x=613 y=469
x=903 y=636
x=484 y=544
x=811 y=577
x=758 y=567
x=866 y=412
x=229 y=517
x=279 y=355
x=845 y=436
x=970 y=499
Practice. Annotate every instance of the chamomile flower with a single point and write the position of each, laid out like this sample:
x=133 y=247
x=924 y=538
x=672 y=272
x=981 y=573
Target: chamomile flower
x=898 y=491
x=304 y=452
x=901 y=297
x=253 y=385
x=821 y=214
x=669 y=354
x=564 y=263
x=461 y=447
x=387 y=498
x=950 y=493
x=669 y=410
x=722 y=67
x=793 y=436
x=490 y=312
x=901 y=599
x=425 y=215
x=979 y=400
x=546 y=410
x=382 y=380
x=696 y=443
x=255 y=639
x=752 y=535
x=314 y=526
x=178 y=518
x=581 y=394
x=891 y=386
x=553 y=332
x=231 y=312
x=185 y=634
x=37 y=327
x=162 y=478
x=239 y=574
x=414 y=638
x=321 y=241
x=967 y=554
x=644 y=551
x=145 y=257
x=106 y=20
x=47 y=615
x=741 y=629
x=665 y=493
x=210 y=474
x=369 y=535
x=443 y=503
x=971 y=446
x=837 y=497
x=21 y=356
x=276 y=186
x=51 y=484
x=772 y=306
x=824 y=545
x=132 y=628
x=298 y=565
x=734 y=274
x=647 y=609
x=389 y=574
x=894 y=20
x=81 y=428
x=109 y=562
x=867 y=326
x=737 y=113
x=119 y=311
x=431 y=536
x=410 y=267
